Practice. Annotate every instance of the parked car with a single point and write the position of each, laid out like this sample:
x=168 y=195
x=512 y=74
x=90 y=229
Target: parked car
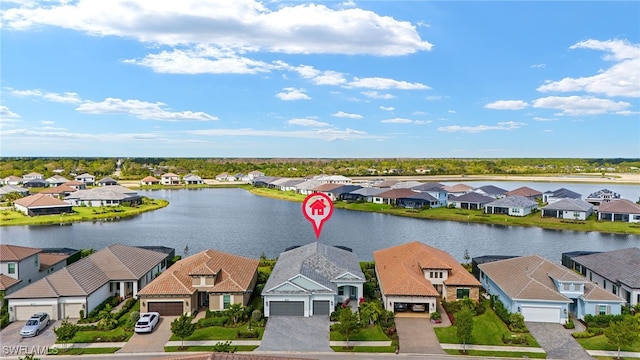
x=147 y=322
x=35 y=324
x=418 y=308
x=400 y=307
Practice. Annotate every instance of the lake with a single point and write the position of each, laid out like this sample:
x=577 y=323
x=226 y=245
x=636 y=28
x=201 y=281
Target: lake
x=236 y=221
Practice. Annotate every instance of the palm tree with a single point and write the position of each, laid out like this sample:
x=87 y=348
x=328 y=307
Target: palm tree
x=370 y=311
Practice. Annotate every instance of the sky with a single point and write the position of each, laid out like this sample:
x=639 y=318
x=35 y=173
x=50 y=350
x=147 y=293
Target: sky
x=334 y=79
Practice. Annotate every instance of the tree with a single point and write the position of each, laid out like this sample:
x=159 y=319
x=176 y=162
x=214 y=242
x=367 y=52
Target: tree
x=623 y=333
x=370 y=311
x=107 y=319
x=348 y=323
x=182 y=327
x=464 y=325
x=66 y=331
x=235 y=311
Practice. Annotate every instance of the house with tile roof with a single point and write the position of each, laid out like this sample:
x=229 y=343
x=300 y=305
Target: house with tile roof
x=107 y=181
x=416 y=273
x=192 y=179
x=436 y=190
x=149 y=180
x=527 y=192
x=562 y=193
x=616 y=271
x=511 y=205
x=311 y=280
x=21 y=266
x=210 y=279
x=491 y=191
x=543 y=291
x=58 y=192
x=568 y=209
x=471 y=201
x=12 y=180
x=619 y=210
x=78 y=185
x=112 y=195
x=458 y=189
x=56 y=180
x=8 y=189
x=117 y=270
x=170 y=179
x=41 y=204
x=86 y=178
x=366 y=194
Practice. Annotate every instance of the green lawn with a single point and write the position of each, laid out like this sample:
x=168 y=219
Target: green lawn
x=373 y=333
x=600 y=343
x=509 y=354
x=219 y=333
x=208 y=348
x=488 y=329
x=118 y=334
x=88 y=351
x=366 y=349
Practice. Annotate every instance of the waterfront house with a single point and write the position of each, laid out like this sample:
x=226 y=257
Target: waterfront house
x=512 y=206
x=471 y=201
x=86 y=178
x=291 y=184
x=209 y=279
x=436 y=190
x=602 y=196
x=406 y=184
x=327 y=189
x=56 y=180
x=568 y=209
x=149 y=180
x=332 y=179
x=107 y=181
x=306 y=187
x=192 y=179
x=394 y=196
x=170 y=179
x=59 y=192
x=367 y=194
x=527 y=192
x=41 y=204
x=619 y=210
x=255 y=174
x=21 y=266
x=458 y=189
x=543 y=291
x=491 y=191
x=117 y=270
x=112 y=195
x=562 y=193
x=311 y=280
x=616 y=271
x=416 y=273
x=344 y=192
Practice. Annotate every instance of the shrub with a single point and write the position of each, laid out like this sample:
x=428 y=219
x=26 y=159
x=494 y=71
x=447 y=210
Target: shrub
x=569 y=324
x=600 y=321
x=212 y=321
x=514 y=339
x=249 y=334
x=516 y=323
x=582 y=335
x=435 y=316
x=134 y=316
x=501 y=311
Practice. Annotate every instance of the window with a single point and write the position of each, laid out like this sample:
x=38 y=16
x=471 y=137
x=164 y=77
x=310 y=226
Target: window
x=11 y=268
x=482 y=275
x=590 y=276
x=604 y=309
x=341 y=291
x=462 y=293
x=566 y=287
x=226 y=301
x=36 y=260
x=431 y=274
x=604 y=283
x=614 y=289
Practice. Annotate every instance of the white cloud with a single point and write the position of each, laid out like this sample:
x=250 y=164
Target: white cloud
x=6 y=114
x=141 y=110
x=322 y=134
x=342 y=114
x=538 y=66
x=507 y=125
x=387 y=108
x=436 y=97
x=307 y=122
x=379 y=83
x=621 y=79
x=581 y=105
x=404 y=121
x=451 y=111
x=47 y=122
x=507 y=105
x=377 y=95
x=537 y=118
x=102 y=137
x=247 y=25
x=66 y=97
x=290 y=93
x=319 y=77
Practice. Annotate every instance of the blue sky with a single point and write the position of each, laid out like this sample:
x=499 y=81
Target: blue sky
x=241 y=78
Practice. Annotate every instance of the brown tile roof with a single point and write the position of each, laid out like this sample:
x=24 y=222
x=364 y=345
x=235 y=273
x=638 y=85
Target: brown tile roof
x=49 y=259
x=458 y=188
x=623 y=206
x=400 y=271
x=531 y=277
x=16 y=253
x=7 y=281
x=235 y=274
x=524 y=191
x=40 y=200
x=122 y=262
x=397 y=193
x=74 y=183
x=60 y=189
x=150 y=179
x=327 y=187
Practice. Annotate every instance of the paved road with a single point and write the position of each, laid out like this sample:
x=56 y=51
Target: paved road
x=296 y=333
x=152 y=342
x=557 y=341
x=416 y=336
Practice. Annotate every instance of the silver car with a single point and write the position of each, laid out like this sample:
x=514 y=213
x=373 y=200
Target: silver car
x=35 y=325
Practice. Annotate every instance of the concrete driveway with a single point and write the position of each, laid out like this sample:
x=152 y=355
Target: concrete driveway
x=416 y=336
x=557 y=341
x=15 y=345
x=151 y=342
x=296 y=333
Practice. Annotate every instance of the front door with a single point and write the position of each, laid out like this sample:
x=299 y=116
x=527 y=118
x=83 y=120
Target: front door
x=354 y=293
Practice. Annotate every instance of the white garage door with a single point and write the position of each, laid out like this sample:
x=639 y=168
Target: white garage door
x=24 y=312
x=541 y=314
x=72 y=310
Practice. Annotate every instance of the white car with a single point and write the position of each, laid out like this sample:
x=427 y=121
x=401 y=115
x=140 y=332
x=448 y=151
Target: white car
x=147 y=322
x=35 y=325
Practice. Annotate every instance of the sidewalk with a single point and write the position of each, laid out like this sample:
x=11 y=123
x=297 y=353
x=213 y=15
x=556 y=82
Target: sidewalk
x=493 y=348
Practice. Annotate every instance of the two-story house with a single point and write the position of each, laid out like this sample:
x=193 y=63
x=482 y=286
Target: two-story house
x=87 y=179
x=21 y=266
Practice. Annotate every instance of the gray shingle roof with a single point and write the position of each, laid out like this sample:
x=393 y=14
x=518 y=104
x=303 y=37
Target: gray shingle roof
x=491 y=190
x=514 y=201
x=569 y=204
x=473 y=197
x=316 y=261
x=619 y=265
x=369 y=191
x=563 y=193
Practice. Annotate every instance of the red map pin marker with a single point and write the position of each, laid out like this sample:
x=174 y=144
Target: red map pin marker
x=317 y=208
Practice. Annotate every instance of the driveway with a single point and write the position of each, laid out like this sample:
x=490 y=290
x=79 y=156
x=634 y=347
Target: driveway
x=557 y=341
x=296 y=333
x=152 y=342
x=416 y=336
x=15 y=345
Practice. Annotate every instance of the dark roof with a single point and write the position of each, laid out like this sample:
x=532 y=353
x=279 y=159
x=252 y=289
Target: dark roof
x=345 y=189
x=107 y=179
x=563 y=193
x=430 y=186
x=397 y=193
x=514 y=201
x=619 y=265
x=420 y=196
x=490 y=189
x=573 y=254
x=491 y=258
x=473 y=197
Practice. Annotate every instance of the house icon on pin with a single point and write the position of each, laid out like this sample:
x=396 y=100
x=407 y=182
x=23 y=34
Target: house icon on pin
x=317 y=207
